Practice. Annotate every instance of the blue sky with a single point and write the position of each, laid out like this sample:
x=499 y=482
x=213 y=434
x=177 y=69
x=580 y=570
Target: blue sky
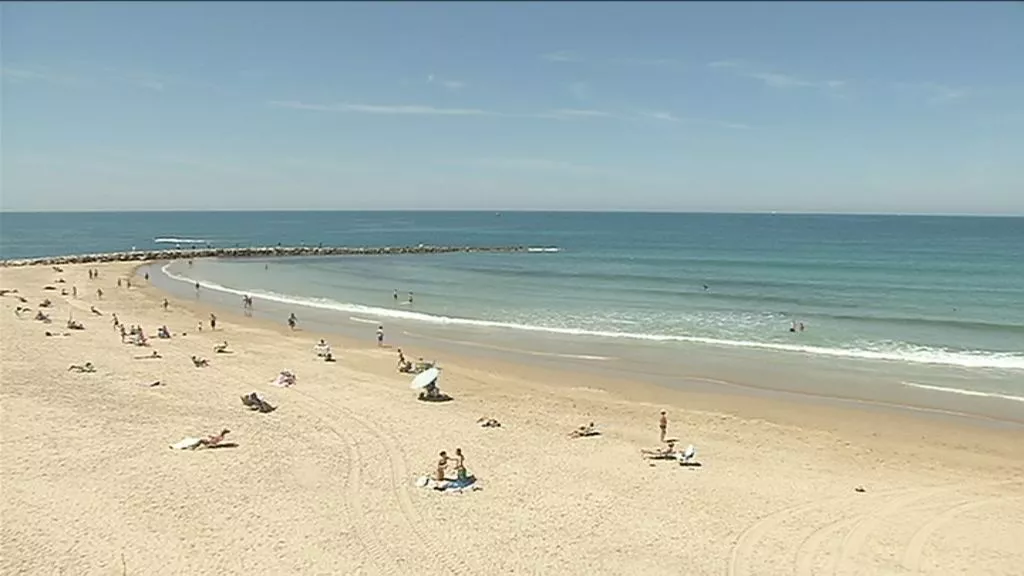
x=834 y=107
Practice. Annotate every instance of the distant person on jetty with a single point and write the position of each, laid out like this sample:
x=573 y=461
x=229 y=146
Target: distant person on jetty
x=292 y=321
x=380 y=335
x=663 y=424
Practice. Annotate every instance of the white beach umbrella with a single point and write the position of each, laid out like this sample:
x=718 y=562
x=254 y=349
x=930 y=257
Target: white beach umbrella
x=423 y=379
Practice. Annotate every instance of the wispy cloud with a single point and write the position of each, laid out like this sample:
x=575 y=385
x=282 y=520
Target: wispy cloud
x=668 y=117
x=21 y=74
x=777 y=80
x=562 y=56
x=447 y=83
x=531 y=164
x=407 y=110
x=663 y=116
x=646 y=62
x=563 y=114
x=933 y=92
x=577 y=113
x=580 y=90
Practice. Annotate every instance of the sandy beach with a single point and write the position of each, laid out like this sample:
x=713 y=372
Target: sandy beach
x=325 y=484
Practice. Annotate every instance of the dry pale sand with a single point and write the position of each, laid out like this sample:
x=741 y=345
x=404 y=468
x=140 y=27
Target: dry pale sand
x=324 y=485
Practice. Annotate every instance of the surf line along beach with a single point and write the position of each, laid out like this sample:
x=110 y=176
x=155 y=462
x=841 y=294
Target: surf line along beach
x=324 y=483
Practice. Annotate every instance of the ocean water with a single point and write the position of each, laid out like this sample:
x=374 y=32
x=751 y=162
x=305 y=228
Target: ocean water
x=899 y=292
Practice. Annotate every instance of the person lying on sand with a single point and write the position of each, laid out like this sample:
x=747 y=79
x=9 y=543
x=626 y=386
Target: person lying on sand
x=48 y=333
x=87 y=367
x=254 y=402
x=221 y=348
x=75 y=325
x=45 y=303
x=485 y=422
x=200 y=362
x=196 y=443
x=584 y=431
x=669 y=451
x=152 y=356
x=6 y=292
x=97 y=312
x=42 y=317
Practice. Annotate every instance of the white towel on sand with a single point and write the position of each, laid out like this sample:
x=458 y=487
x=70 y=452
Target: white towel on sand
x=187 y=444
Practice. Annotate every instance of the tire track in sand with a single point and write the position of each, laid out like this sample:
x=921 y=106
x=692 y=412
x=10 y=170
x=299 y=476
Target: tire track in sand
x=867 y=524
x=385 y=559
x=746 y=543
x=398 y=480
x=914 y=552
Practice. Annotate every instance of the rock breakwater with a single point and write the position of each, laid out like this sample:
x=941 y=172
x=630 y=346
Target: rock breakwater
x=252 y=252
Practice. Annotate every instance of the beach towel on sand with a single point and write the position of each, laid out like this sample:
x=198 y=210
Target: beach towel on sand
x=187 y=444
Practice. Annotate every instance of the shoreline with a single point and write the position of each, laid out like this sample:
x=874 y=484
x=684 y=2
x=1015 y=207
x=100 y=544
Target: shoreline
x=706 y=368
x=325 y=483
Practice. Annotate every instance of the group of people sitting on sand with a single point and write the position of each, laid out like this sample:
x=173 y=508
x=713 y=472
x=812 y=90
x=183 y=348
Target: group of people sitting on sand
x=163 y=332
x=406 y=366
x=441 y=480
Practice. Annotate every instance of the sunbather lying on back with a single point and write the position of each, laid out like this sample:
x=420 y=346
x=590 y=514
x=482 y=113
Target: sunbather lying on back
x=152 y=356
x=200 y=362
x=87 y=367
x=221 y=348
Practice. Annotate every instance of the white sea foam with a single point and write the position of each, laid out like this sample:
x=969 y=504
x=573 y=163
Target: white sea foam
x=544 y=249
x=179 y=241
x=911 y=354
x=963 y=392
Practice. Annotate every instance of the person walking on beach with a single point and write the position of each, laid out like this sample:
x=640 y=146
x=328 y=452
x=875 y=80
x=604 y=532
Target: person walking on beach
x=99 y=293
x=396 y=295
x=74 y=292
x=292 y=321
x=380 y=335
x=663 y=424
x=118 y=282
x=166 y=304
x=213 y=322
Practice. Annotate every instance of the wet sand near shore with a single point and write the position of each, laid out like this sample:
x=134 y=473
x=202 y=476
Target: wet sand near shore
x=325 y=483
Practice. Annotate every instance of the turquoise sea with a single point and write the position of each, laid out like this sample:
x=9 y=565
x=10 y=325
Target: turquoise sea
x=939 y=301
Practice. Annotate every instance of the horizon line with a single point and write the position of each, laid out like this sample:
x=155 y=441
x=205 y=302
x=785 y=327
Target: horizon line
x=527 y=211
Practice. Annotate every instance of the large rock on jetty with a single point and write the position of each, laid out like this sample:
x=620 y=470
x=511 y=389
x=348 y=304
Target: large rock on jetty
x=255 y=252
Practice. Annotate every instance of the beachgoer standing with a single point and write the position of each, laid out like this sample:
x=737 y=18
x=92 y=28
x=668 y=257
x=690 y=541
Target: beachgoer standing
x=147 y=276
x=197 y=289
x=460 y=464
x=396 y=295
x=663 y=424
x=292 y=321
x=213 y=322
x=410 y=297
x=380 y=335
x=166 y=304
x=99 y=293
x=129 y=283
x=118 y=282
x=74 y=292
x=442 y=464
